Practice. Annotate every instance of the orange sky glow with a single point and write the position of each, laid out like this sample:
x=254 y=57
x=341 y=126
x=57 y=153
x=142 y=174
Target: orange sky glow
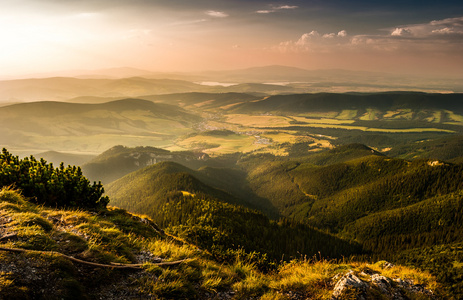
x=49 y=35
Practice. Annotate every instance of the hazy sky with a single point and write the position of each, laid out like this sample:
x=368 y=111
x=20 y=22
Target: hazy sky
x=185 y=35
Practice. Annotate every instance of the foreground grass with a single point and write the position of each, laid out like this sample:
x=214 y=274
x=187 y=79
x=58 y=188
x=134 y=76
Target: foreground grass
x=115 y=236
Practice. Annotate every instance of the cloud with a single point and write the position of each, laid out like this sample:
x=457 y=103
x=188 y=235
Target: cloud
x=276 y=8
x=187 y=22
x=216 y=14
x=287 y=7
x=333 y=35
x=401 y=32
x=445 y=30
x=314 y=42
x=439 y=36
x=264 y=11
x=432 y=29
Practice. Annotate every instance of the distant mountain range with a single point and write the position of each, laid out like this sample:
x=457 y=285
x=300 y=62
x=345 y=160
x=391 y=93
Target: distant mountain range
x=129 y=82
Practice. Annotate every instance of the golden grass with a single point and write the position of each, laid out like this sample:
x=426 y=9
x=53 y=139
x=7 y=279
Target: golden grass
x=313 y=277
x=185 y=193
x=406 y=273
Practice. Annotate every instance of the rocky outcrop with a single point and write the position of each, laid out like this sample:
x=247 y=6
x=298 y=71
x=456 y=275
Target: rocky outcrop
x=371 y=285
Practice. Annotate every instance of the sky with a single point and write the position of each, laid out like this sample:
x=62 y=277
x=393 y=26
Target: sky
x=407 y=37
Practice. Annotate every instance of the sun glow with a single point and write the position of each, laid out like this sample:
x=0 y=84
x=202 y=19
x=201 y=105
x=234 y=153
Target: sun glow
x=60 y=35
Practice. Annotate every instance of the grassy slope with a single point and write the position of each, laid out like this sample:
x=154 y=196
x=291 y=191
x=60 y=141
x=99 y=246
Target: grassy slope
x=113 y=235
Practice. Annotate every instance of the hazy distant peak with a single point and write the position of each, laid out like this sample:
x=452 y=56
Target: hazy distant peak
x=275 y=68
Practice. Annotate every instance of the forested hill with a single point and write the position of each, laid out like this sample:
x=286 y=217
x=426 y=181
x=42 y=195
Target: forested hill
x=119 y=161
x=172 y=195
x=322 y=102
x=447 y=149
x=48 y=109
x=388 y=206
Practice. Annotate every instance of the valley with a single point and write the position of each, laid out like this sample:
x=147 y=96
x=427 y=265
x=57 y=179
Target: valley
x=262 y=176
x=221 y=123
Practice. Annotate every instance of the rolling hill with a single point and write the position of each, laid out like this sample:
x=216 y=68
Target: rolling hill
x=200 y=101
x=267 y=124
x=92 y=127
x=63 y=88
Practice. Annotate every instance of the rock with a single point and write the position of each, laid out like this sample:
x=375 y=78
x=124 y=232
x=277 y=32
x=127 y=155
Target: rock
x=413 y=288
x=387 y=287
x=383 y=283
x=349 y=282
x=352 y=287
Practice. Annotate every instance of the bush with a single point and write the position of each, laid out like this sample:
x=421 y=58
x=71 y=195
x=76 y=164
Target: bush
x=44 y=184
